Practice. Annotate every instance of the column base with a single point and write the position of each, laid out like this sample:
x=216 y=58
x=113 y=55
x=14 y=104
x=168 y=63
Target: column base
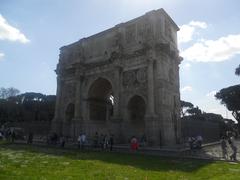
x=116 y=119
x=153 y=130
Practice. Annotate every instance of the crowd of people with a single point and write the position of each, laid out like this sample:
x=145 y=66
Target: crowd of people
x=8 y=134
x=102 y=141
x=106 y=142
x=195 y=142
x=12 y=134
x=97 y=141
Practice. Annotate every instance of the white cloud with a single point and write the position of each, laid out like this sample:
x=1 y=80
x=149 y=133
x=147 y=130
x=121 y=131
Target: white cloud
x=199 y=24
x=213 y=50
x=211 y=94
x=186 y=88
x=8 y=32
x=187 y=30
x=1 y=55
x=186 y=66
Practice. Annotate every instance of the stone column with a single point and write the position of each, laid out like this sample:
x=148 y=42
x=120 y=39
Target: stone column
x=57 y=121
x=151 y=108
x=77 y=112
x=117 y=91
x=77 y=121
x=151 y=119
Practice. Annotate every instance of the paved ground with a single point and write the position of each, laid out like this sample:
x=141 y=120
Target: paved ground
x=215 y=151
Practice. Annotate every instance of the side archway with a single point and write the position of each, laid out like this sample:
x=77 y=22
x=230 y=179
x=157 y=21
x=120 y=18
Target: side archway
x=136 y=114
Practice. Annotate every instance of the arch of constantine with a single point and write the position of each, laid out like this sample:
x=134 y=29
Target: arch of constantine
x=122 y=81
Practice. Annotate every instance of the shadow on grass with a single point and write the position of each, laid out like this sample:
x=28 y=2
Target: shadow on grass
x=144 y=162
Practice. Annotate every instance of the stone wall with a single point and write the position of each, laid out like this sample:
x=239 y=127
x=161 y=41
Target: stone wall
x=209 y=130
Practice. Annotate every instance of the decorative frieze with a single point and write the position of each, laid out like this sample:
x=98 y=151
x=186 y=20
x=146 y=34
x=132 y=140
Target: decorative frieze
x=134 y=77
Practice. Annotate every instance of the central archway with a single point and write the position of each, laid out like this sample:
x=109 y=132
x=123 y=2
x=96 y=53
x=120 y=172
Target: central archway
x=101 y=100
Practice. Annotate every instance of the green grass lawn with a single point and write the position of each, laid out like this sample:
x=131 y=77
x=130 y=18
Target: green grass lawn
x=31 y=162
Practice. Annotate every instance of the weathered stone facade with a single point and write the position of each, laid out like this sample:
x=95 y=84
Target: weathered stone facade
x=123 y=81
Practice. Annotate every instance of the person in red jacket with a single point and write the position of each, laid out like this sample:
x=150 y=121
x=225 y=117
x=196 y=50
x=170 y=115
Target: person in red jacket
x=134 y=143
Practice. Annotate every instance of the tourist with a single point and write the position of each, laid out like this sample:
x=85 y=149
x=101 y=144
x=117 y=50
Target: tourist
x=82 y=141
x=143 y=140
x=62 y=141
x=79 y=141
x=234 y=148
x=111 y=141
x=190 y=142
x=102 y=139
x=134 y=143
x=105 y=142
x=13 y=135
x=199 y=140
x=53 y=138
x=30 y=138
x=224 y=147
x=1 y=135
x=95 y=140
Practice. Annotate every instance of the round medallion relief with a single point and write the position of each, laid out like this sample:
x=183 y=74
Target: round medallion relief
x=129 y=78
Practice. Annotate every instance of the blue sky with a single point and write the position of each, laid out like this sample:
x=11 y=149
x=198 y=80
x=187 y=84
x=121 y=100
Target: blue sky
x=32 y=31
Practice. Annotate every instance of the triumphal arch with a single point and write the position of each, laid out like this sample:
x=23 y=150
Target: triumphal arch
x=122 y=81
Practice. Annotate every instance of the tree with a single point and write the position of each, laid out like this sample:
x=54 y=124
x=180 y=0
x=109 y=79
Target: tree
x=237 y=71
x=194 y=111
x=188 y=108
x=3 y=93
x=185 y=106
x=230 y=97
x=8 y=92
x=27 y=107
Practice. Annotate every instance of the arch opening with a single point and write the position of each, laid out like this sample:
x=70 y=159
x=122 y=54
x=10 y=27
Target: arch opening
x=136 y=115
x=136 y=109
x=100 y=100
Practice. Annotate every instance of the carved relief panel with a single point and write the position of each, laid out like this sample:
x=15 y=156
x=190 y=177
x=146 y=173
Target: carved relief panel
x=135 y=78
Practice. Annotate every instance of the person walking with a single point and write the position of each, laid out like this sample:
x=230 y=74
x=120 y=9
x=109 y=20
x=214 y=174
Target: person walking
x=62 y=141
x=79 y=141
x=95 y=140
x=105 y=143
x=234 y=148
x=134 y=143
x=83 y=141
x=111 y=142
x=224 y=147
x=13 y=136
x=102 y=139
x=30 y=138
